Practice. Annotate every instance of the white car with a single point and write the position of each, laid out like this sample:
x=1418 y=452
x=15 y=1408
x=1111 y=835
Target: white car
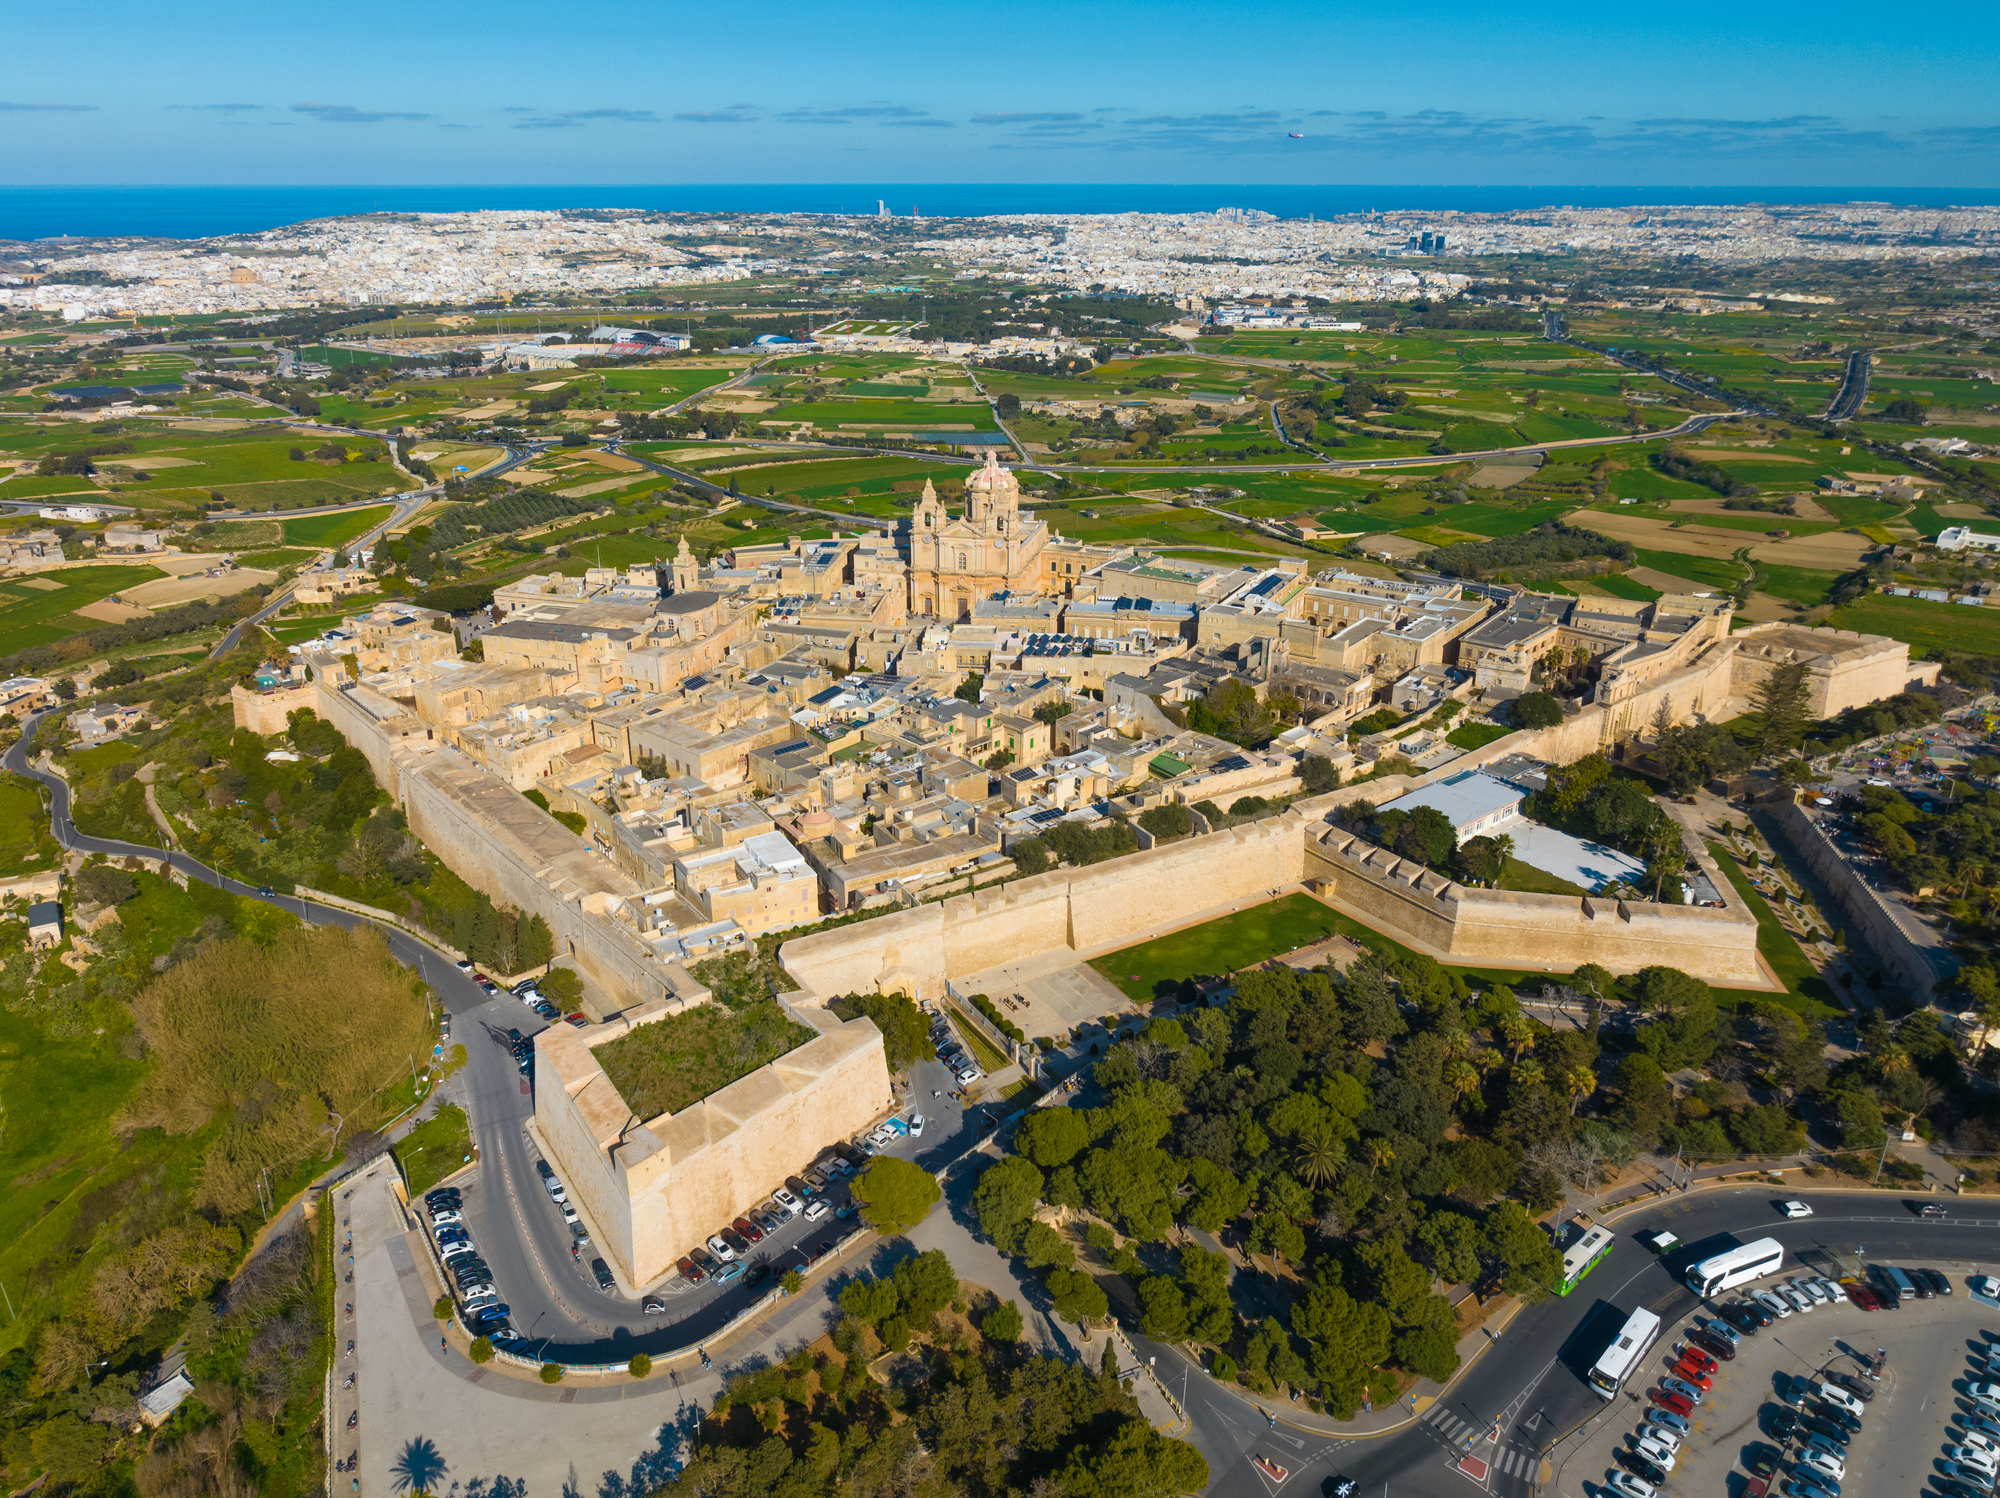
x=1810 y=1289
x=1979 y=1440
x=719 y=1246
x=1973 y=1456
x=1987 y=1394
x=787 y=1203
x=445 y=1219
x=1658 y=1453
x=916 y=1126
x=457 y=1250
x=1800 y=1301
x=815 y=1210
x=1626 y=1484
x=1795 y=1209
x=1661 y=1435
x=1771 y=1303
x=967 y=1077
x=1823 y=1462
x=1984 y=1287
x=1668 y=1420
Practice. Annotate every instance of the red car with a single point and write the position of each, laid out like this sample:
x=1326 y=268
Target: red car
x=578 y=1019
x=748 y=1229
x=1666 y=1399
x=1862 y=1296
x=1713 y=1345
x=1697 y=1359
x=1693 y=1376
x=690 y=1271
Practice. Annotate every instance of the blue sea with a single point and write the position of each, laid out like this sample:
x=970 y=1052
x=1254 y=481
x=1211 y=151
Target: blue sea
x=200 y=212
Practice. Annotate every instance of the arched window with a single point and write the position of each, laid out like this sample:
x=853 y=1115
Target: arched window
x=961 y=561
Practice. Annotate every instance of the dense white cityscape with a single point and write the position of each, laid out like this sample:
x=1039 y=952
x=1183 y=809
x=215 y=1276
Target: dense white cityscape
x=506 y=255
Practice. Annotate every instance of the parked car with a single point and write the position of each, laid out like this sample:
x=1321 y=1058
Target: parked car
x=1692 y=1378
x=1647 y=1472
x=916 y=1126
x=1700 y=1361
x=1682 y=1387
x=968 y=1076
x=1664 y=1435
x=706 y=1262
x=1984 y=1287
x=1771 y=1303
x=1860 y=1388
x=1670 y=1421
x=765 y=1223
x=691 y=1271
x=602 y=1271
x=1758 y=1315
x=1783 y=1424
x=1628 y=1486
x=787 y=1203
x=816 y=1209
x=719 y=1246
x=749 y=1230
x=736 y=1241
x=1823 y=1461
x=458 y=1248
x=1740 y=1317
x=1986 y=1394
x=1798 y=1300
x=652 y=1305
x=1938 y=1283
x=444 y=1196
x=579 y=1019
x=1712 y=1344
x=1666 y=1398
x=547 y=1011
x=1659 y=1453
x=730 y=1274
x=446 y=1219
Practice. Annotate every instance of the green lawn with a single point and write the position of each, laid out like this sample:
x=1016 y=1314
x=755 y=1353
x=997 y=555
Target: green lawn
x=1476 y=735
x=31 y=614
x=1157 y=968
x=1529 y=880
x=1921 y=624
x=1806 y=990
x=333 y=530
x=435 y=1148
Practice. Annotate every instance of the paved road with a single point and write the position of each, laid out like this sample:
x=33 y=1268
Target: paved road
x=1847 y=401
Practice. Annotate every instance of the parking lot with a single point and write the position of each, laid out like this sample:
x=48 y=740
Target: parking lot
x=1763 y=1406
x=539 y=1255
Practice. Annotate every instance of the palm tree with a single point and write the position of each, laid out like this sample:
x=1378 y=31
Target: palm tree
x=1379 y=1155
x=1463 y=1078
x=419 y=1467
x=1456 y=1042
x=1486 y=1061
x=1519 y=1031
x=1580 y=1082
x=1318 y=1157
x=1530 y=1072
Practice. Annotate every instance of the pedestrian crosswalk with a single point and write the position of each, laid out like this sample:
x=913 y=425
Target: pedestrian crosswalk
x=1509 y=1460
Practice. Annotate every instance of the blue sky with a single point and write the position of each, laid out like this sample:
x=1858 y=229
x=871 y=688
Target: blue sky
x=588 y=92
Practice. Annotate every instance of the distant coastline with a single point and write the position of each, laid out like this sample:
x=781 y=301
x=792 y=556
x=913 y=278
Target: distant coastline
x=196 y=212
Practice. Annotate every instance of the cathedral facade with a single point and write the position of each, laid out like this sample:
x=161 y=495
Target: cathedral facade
x=956 y=560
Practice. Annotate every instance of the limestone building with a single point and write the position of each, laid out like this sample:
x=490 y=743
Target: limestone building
x=957 y=560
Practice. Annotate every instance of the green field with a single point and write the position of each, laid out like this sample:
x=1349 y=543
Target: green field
x=1620 y=586
x=1921 y=624
x=333 y=530
x=1157 y=968
x=1470 y=736
x=1525 y=878
x=1805 y=990
x=25 y=844
x=897 y=415
x=33 y=615
x=1705 y=571
x=1803 y=585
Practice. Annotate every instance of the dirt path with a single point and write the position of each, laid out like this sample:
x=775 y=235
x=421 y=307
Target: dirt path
x=144 y=775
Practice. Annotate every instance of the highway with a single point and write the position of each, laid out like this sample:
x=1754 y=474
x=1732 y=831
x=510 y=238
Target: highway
x=1528 y=1380
x=1853 y=393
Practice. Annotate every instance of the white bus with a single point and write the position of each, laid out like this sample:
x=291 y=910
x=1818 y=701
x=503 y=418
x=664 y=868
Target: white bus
x=1739 y=1266
x=1627 y=1350
x=1583 y=1256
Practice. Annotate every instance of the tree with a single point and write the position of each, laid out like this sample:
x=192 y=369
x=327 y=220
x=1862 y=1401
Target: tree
x=1349 y=1338
x=906 y=1036
x=1317 y=776
x=1052 y=1136
x=1449 y=1242
x=1163 y=1310
x=1167 y=821
x=1002 y=1323
x=968 y=690
x=1319 y=1156
x=1007 y=405
x=1076 y=1297
x=1043 y=1247
x=481 y=1350
x=1645 y=1102
x=1906 y=411
x=1005 y=1200
x=1688 y=1028
x=1427 y=836
x=1780 y=703
x=640 y=1366
x=895 y=1194
x=1137 y=1462
x=562 y=987
x=1031 y=856
x=1526 y=1255
x=533 y=945
x=1537 y=710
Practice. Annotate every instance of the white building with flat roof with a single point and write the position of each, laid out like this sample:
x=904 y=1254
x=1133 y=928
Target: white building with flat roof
x=1955 y=538
x=1473 y=803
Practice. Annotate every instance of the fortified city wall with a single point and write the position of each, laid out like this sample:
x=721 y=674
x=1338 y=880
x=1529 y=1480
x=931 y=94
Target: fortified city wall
x=655 y=1188
x=1916 y=966
x=1554 y=932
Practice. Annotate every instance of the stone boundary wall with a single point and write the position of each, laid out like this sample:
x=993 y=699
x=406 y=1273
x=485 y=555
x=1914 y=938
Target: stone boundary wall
x=1099 y=908
x=264 y=712
x=1554 y=932
x=1919 y=971
x=657 y=1187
